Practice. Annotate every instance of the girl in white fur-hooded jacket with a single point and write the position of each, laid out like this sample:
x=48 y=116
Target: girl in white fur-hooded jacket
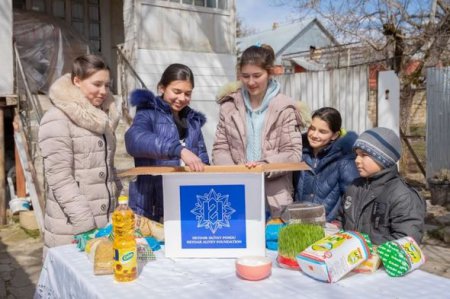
x=77 y=142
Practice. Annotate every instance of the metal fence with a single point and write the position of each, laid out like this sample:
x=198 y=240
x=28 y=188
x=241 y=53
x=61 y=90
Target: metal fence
x=345 y=89
x=438 y=120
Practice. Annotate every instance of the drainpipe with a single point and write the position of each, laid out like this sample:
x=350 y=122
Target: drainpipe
x=2 y=168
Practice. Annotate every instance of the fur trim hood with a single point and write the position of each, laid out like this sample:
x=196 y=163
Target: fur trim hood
x=145 y=99
x=227 y=89
x=69 y=99
x=305 y=112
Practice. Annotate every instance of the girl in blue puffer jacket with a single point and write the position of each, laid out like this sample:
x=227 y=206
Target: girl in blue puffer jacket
x=329 y=154
x=165 y=131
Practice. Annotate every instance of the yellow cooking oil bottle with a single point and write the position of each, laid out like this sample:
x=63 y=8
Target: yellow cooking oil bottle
x=125 y=254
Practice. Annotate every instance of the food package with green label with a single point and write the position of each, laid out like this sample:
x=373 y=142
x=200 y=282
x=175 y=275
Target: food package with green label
x=332 y=257
x=401 y=256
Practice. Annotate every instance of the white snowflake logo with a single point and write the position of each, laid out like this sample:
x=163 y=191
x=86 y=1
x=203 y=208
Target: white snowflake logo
x=213 y=211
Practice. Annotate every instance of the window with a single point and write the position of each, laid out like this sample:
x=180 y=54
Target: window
x=59 y=8
x=85 y=18
x=199 y=3
x=77 y=16
x=220 y=4
x=20 y=4
x=83 y=15
x=38 y=5
x=94 y=24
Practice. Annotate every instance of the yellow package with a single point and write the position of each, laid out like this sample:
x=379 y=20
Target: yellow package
x=103 y=257
x=150 y=228
x=370 y=265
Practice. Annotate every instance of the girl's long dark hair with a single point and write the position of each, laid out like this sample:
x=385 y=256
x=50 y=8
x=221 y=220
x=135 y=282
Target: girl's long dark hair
x=331 y=116
x=175 y=72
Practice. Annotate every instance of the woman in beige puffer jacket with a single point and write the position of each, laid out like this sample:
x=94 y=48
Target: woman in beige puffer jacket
x=77 y=142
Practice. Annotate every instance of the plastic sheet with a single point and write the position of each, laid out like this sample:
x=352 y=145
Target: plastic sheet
x=47 y=46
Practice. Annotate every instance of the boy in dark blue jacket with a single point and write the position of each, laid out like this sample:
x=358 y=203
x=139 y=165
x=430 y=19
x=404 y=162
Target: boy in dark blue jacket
x=380 y=203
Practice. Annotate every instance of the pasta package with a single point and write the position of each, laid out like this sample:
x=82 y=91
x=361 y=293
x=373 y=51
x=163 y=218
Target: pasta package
x=104 y=257
x=332 y=257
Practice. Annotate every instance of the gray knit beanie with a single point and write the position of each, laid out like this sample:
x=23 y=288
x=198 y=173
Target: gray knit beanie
x=382 y=144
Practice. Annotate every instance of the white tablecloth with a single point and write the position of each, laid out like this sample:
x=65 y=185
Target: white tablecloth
x=67 y=273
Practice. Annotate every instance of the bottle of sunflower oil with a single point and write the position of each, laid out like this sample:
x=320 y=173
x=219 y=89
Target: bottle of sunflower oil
x=125 y=254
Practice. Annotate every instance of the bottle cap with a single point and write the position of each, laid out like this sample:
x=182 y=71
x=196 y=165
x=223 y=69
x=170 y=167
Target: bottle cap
x=123 y=199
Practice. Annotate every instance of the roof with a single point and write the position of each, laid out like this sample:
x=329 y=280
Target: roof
x=309 y=64
x=281 y=38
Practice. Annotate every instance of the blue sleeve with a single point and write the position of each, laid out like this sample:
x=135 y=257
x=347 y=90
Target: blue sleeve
x=142 y=141
x=298 y=180
x=202 y=151
x=348 y=173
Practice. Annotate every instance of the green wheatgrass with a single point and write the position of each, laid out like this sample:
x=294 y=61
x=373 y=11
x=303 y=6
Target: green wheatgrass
x=294 y=238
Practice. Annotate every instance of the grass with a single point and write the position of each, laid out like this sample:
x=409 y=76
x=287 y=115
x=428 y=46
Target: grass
x=294 y=238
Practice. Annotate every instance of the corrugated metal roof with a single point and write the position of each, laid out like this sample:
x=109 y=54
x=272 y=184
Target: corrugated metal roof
x=277 y=38
x=290 y=38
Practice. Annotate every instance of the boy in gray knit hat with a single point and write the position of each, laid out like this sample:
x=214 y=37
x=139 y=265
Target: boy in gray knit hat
x=380 y=203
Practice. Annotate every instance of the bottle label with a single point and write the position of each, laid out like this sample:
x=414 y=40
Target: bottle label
x=125 y=260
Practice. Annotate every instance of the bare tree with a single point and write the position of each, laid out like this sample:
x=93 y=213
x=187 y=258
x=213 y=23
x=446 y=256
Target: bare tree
x=242 y=29
x=401 y=29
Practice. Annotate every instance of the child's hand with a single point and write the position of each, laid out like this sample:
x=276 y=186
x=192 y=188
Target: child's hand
x=191 y=160
x=251 y=164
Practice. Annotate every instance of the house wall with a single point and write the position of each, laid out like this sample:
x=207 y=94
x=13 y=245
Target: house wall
x=159 y=33
x=171 y=26
x=6 y=49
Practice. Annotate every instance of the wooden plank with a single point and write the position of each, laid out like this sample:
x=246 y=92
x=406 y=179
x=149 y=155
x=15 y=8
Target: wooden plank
x=21 y=189
x=30 y=177
x=159 y=170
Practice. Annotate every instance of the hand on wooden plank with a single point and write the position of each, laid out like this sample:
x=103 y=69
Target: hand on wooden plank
x=191 y=160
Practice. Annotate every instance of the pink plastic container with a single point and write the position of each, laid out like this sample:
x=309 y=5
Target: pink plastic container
x=253 y=267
